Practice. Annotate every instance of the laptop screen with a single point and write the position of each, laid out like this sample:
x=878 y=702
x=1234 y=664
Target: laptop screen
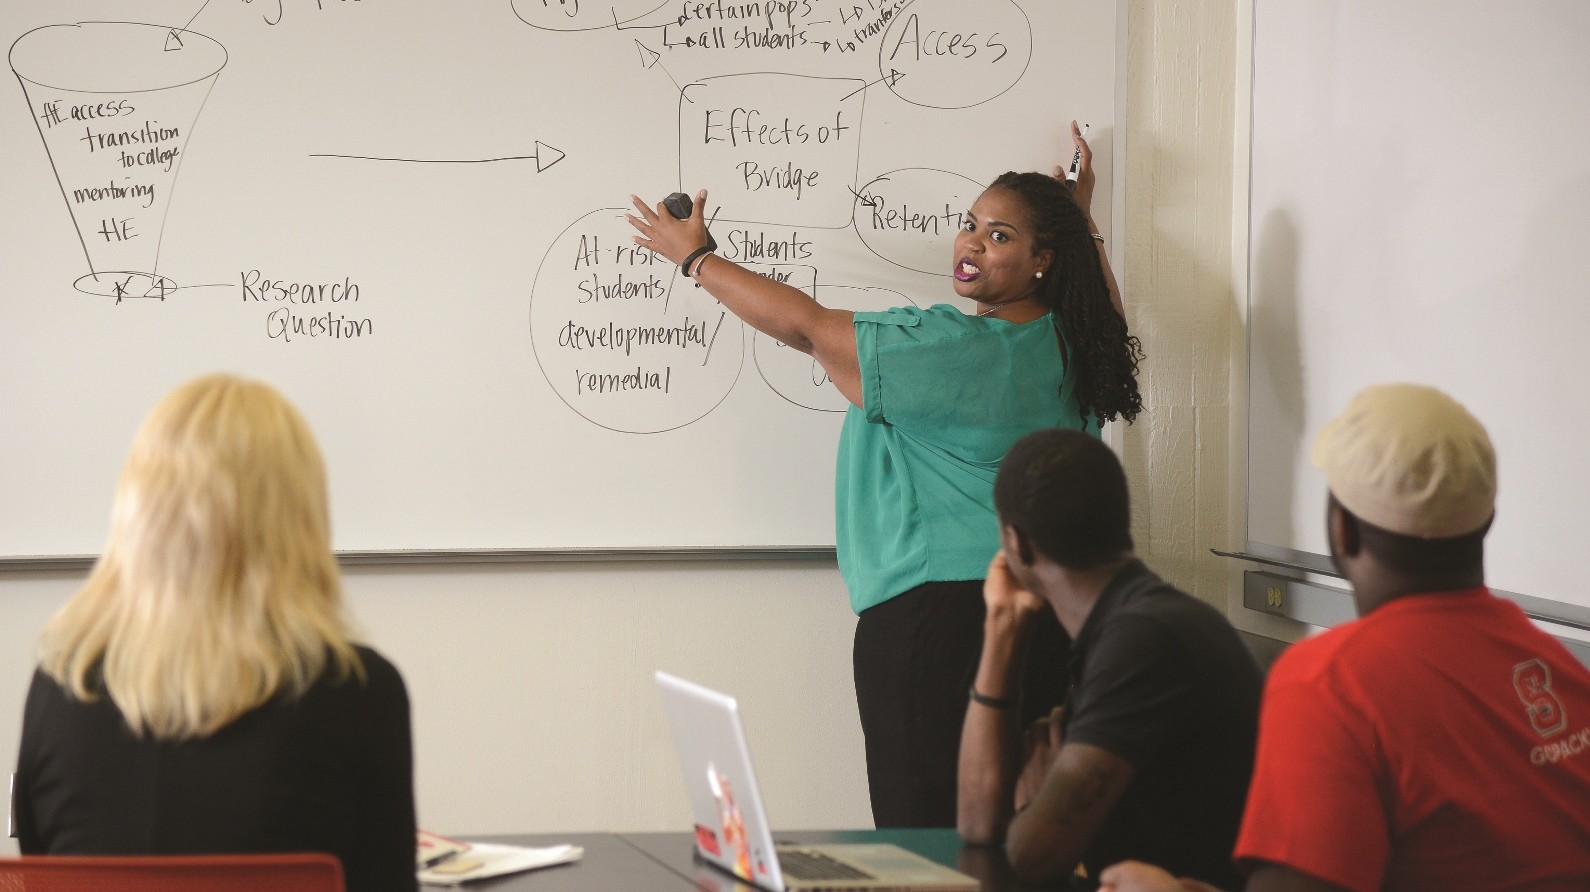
x=730 y=824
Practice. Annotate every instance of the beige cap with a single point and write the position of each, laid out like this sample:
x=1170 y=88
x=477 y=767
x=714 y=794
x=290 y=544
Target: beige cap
x=1410 y=459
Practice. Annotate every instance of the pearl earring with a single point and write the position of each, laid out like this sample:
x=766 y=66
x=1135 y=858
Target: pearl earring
x=1038 y=274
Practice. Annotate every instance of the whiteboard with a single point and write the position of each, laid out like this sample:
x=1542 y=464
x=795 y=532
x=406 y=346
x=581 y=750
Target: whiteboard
x=1420 y=206
x=407 y=215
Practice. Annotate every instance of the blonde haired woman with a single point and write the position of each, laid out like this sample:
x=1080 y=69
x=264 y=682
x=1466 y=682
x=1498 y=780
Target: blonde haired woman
x=200 y=693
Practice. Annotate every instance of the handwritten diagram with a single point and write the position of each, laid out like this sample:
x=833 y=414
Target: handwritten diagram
x=115 y=103
x=408 y=215
x=773 y=149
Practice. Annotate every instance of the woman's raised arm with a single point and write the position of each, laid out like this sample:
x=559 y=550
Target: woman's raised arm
x=1082 y=192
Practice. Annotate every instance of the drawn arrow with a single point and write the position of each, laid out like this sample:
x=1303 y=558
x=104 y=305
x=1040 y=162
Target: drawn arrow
x=544 y=156
x=650 y=58
x=892 y=78
x=554 y=156
x=174 y=39
x=867 y=199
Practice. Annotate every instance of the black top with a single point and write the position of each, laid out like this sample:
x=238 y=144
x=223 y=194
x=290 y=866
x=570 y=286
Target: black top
x=1161 y=679
x=331 y=772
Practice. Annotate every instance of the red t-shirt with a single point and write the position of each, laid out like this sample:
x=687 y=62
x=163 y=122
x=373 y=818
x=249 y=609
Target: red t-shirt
x=1441 y=742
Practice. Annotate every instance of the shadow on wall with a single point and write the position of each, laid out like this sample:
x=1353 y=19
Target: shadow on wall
x=1276 y=408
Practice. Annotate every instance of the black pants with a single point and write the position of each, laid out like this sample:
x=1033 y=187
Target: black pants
x=915 y=657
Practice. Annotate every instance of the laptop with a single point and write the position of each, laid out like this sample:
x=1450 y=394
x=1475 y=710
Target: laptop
x=732 y=832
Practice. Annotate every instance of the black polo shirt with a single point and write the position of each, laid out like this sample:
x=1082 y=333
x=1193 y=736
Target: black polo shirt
x=1161 y=679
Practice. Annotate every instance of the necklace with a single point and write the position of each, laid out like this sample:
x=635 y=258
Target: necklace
x=997 y=307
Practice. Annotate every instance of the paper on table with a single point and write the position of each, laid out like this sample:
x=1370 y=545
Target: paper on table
x=433 y=848
x=502 y=859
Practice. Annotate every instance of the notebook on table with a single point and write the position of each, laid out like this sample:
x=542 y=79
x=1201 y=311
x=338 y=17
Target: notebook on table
x=732 y=831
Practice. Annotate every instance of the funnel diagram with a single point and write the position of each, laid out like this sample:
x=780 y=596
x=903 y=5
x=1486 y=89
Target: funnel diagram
x=115 y=103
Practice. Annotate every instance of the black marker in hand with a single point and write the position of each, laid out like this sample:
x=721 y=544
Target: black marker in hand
x=682 y=206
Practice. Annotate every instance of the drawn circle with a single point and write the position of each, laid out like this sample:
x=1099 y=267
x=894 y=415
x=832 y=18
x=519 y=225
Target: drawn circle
x=622 y=339
x=909 y=217
x=126 y=285
x=582 y=15
x=954 y=54
x=115 y=57
x=796 y=376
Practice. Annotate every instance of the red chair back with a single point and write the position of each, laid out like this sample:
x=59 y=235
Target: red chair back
x=305 y=872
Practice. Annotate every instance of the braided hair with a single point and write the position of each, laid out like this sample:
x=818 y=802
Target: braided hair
x=1103 y=353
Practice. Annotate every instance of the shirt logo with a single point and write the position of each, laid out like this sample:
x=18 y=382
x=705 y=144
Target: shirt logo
x=1532 y=681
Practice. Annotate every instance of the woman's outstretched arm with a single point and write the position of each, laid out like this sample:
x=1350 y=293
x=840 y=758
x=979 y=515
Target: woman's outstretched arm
x=775 y=309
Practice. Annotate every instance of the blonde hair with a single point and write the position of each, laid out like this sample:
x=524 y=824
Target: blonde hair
x=218 y=588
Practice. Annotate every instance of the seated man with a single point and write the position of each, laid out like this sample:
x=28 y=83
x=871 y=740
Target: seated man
x=1155 y=746
x=1440 y=741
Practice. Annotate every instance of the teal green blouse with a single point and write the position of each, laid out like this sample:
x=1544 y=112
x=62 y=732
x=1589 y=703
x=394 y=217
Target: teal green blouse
x=944 y=397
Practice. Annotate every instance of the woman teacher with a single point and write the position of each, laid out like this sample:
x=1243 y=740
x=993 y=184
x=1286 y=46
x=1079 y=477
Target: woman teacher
x=937 y=397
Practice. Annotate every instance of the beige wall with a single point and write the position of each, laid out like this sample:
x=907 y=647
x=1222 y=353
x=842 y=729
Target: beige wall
x=1181 y=80
x=1186 y=207
x=534 y=709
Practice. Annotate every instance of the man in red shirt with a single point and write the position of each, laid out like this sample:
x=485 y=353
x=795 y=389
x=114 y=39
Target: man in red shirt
x=1440 y=741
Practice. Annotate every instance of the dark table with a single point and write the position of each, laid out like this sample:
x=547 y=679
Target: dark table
x=619 y=862
x=986 y=864
x=609 y=865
